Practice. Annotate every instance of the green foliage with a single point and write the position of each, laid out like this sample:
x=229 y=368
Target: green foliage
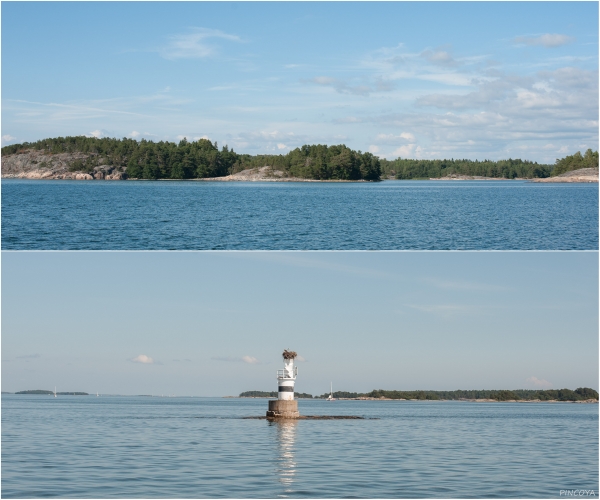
x=426 y=169
x=87 y=165
x=580 y=394
x=587 y=393
x=42 y=392
x=36 y=391
x=202 y=159
x=263 y=394
x=318 y=162
x=504 y=396
x=575 y=162
x=258 y=394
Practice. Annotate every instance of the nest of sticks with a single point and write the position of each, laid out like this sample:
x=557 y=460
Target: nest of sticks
x=289 y=354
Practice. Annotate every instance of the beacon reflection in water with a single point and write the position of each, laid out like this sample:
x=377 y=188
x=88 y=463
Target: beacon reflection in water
x=285 y=461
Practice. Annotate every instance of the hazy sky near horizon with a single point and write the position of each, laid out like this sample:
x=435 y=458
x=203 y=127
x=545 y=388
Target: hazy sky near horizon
x=215 y=323
x=411 y=79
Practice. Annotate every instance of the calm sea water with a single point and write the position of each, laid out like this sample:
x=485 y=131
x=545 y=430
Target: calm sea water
x=309 y=216
x=87 y=446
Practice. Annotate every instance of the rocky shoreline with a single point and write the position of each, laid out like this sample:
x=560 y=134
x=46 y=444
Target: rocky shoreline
x=265 y=174
x=41 y=165
x=581 y=175
x=586 y=175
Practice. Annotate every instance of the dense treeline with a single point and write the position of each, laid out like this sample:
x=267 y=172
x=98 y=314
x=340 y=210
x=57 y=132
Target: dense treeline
x=426 y=169
x=580 y=394
x=576 y=161
x=319 y=162
x=201 y=159
x=46 y=393
x=263 y=394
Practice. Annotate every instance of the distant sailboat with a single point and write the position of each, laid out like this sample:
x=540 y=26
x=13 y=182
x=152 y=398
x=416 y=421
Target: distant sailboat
x=96 y=393
x=330 y=397
x=54 y=391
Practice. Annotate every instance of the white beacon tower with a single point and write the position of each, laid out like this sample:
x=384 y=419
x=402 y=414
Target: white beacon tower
x=285 y=406
x=286 y=378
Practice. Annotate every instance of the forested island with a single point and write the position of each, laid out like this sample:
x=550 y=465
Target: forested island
x=263 y=394
x=46 y=393
x=83 y=157
x=502 y=169
x=580 y=394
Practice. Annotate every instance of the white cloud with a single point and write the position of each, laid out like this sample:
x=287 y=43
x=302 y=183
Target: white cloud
x=96 y=133
x=142 y=358
x=7 y=138
x=439 y=57
x=281 y=146
x=193 y=45
x=134 y=134
x=250 y=360
x=536 y=382
x=324 y=80
x=394 y=139
x=548 y=40
x=405 y=151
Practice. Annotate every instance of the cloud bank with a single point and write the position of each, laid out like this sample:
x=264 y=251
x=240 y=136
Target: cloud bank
x=142 y=358
x=539 y=383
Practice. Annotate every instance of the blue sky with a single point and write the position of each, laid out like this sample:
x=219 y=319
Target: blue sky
x=215 y=323
x=417 y=80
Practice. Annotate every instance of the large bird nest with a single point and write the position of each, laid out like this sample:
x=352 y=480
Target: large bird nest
x=289 y=354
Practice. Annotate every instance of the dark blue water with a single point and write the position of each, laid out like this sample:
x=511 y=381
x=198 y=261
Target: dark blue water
x=430 y=215
x=84 y=446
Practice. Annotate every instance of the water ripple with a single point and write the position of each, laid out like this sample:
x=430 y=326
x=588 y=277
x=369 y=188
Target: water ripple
x=157 y=447
x=389 y=215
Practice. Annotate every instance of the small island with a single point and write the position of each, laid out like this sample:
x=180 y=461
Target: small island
x=51 y=393
x=580 y=395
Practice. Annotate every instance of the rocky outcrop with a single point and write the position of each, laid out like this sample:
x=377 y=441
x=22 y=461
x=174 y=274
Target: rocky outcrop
x=42 y=165
x=581 y=175
x=266 y=174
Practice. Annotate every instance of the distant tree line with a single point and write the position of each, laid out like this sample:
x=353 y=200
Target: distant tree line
x=263 y=394
x=203 y=159
x=319 y=162
x=426 y=169
x=580 y=394
x=42 y=392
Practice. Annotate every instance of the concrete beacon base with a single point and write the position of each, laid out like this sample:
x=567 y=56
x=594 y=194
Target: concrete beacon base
x=279 y=408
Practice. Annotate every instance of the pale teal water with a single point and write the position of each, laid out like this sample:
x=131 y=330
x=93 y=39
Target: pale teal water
x=390 y=215
x=199 y=447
